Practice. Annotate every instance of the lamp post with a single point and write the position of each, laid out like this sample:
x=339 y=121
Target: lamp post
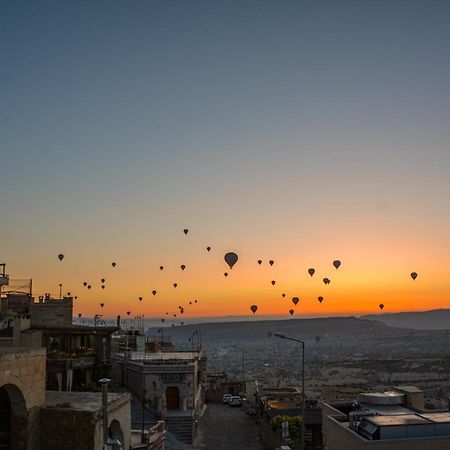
x=302 y=437
x=104 y=382
x=243 y=366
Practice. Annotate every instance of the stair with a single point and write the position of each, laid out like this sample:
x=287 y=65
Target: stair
x=181 y=427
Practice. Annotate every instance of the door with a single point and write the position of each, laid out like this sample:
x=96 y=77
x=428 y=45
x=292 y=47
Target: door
x=173 y=397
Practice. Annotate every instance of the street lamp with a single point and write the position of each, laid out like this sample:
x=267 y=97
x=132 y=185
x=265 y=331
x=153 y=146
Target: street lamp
x=282 y=336
x=104 y=382
x=243 y=366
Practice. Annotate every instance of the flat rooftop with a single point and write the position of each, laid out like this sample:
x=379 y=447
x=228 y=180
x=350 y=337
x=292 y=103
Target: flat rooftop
x=163 y=356
x=82 y=401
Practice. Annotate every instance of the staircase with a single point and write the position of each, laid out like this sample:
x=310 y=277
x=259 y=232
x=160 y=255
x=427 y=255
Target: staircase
x=181 y=427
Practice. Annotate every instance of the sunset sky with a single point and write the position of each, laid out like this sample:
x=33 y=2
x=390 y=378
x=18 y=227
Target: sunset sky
x=296 y=131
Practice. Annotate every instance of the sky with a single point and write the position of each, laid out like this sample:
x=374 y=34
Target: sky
x=301 y=132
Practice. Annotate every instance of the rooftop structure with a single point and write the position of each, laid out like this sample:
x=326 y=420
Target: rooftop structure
x=388 y=420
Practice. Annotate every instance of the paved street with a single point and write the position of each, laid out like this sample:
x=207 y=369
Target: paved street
x=225 y=428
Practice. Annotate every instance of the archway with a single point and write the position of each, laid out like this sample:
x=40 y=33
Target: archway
x=172 y=397
x=115 y=432
x=13 y=418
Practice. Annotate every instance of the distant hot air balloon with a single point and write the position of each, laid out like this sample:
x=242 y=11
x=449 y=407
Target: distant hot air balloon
x=336 y=264
x=173 y=325
x=102 y=305
x=181 y=323
x=190 y=303
x=89 y=286
x=175 y=285
x=291 y=312
x=317 y=338
x=113 y=264
x=174 y=315
x=311 y=271
x=161 y=267
x=185 y=231
x=271 y=262
x=182 y=310
x=254 y=308
x=79 y=314
x=103 y=286
x=103 y=280
x=140 y=299
x=231 y=259
x=283 y=295
x=85 y=284
x=259 y=261
x=60 y=256
x=68 y=294
x=154 y=292
x=208 y=248
x=381 y=306
x=413 y=275
x=273 y=282
x=225 y=274
x=295 y=300
x=320 y=299
x=128 y=313
x=182 y=267
x=163 y=320
x=195 y=301
x=326 y=281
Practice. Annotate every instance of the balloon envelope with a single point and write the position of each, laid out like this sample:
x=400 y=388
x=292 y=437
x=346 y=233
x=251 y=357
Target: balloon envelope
x=175 y=285
x=113 y=264
x=225 y=274
x=271 y=262
x=326 y=281
x=259 y=261
x=231 y=259
x=413 y=275
x=183 y=267
x=381 y=306
x=273 y=282
x=208 y=248
x=283 y=295
x=185 y=231
x=311 y=271
x=161 y=267
x=85 y=284
x=295 y=300
x=291 y=311
x=320 y=299
x=140 y=299
x=60 y=256
x=154 y=292
x=254 y=308
x=336 y=263
x=102 y=305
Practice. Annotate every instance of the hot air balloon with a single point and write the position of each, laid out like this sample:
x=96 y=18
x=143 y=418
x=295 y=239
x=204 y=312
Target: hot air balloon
x=173 y=325
x=190 y=303
x=161 y=267
x=103 y=280
x=311 y=271
x=381 y=306
x=154 y=292
x=317 y=338
x=102 y=305
x=320 y=299
x=195 y=301
x=85 y=284
x=295 y=300
x=103 y=286
x=89 y=286
x=79 y=314
x=291 y=311
x=185 y=231
x=163 y=320
x=182 y=267
x=75 y=297
x=128 y=313
x=254 y=308
x=413 y=275
x=336 y=264
x=231 y=259
x=326 y=281
x=271 y=262
x=182 y=310
x=68 y=294
x=208 y=248
x=283 y=295
x=181 y=323
x=140 y=299
x=113 y=264
x=225 y=274
x=259 y=261
x=174 y=315
x=60 y=256
x=273 y=282
x=175 y=285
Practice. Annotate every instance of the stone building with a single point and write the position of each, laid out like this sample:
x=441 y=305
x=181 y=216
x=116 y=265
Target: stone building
x=170 y=383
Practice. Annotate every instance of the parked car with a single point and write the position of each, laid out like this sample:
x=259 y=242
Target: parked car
x=226 y=398
x=235 y=401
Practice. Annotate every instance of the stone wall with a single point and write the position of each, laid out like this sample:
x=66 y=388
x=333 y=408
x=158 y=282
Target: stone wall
x=50 y=312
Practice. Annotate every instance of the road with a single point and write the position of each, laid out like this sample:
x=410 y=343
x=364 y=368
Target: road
x=225 y=428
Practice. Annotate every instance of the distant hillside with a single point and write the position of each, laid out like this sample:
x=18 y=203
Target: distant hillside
x=436 y=319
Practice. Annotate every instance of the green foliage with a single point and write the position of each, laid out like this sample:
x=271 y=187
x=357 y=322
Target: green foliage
x=295 y=425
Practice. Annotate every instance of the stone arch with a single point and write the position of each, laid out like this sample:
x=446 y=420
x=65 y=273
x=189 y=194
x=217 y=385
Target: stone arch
x=115 y=432
x=13 y=418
